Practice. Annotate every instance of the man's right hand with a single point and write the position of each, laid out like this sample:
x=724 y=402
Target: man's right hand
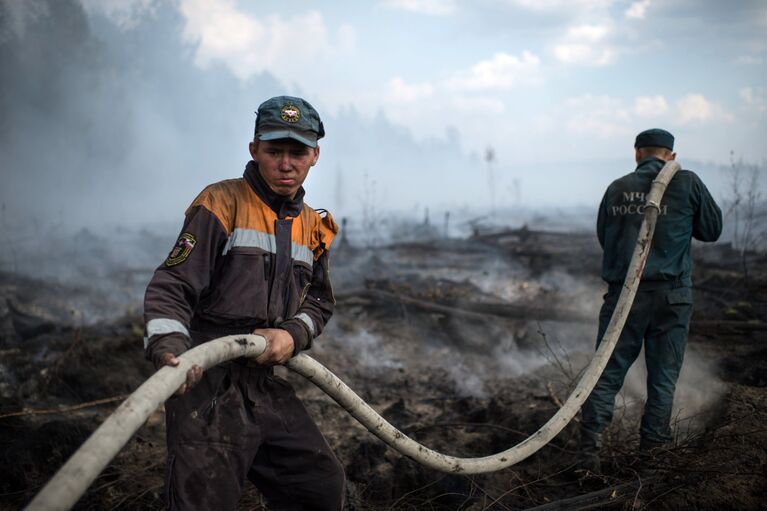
x=193 y=375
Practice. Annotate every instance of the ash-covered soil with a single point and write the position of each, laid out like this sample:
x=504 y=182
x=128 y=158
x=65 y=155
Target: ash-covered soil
x=468 y=346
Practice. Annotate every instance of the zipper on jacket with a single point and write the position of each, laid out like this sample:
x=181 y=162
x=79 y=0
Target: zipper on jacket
x=281 y=268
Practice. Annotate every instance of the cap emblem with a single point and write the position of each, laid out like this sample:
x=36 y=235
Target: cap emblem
x=290 y=113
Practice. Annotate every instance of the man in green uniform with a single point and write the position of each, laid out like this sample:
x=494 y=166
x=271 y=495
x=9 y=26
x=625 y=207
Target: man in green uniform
x=660 y=315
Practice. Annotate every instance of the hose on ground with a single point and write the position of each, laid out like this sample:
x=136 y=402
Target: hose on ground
x=71 y=481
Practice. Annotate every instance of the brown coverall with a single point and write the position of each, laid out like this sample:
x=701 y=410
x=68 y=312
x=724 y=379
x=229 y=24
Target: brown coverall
x=246 y=259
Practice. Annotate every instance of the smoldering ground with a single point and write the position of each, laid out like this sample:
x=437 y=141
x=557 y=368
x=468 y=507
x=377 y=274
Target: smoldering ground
x=473 y=351
x=463 y=384
x=108 y=132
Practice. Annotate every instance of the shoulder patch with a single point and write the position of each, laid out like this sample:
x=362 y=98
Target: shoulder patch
x=181 y=250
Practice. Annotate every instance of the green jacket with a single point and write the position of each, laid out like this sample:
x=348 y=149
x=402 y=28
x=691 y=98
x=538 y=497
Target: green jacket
x=687 y=210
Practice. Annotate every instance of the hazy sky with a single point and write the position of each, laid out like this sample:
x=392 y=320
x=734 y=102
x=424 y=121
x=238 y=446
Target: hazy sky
x=122 y=110
x=532 y=77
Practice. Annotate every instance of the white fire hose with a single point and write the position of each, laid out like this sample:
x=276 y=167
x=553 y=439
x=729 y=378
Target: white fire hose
x=71 y=481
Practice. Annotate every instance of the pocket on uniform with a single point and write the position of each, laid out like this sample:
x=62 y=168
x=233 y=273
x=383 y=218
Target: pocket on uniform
x=300 y=280
x=679 y=296
x=287 y=405
x=240 y=291
x=677 y=342
x=208 y=413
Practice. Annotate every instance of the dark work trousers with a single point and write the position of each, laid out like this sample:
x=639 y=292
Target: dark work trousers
x=241 y=422
x=659 y=318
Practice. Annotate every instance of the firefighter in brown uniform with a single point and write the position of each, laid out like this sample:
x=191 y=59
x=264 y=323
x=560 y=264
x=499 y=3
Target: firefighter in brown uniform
x=251 y=257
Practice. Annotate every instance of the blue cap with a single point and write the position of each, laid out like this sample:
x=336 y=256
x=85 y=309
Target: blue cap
x=288 y=117
x=655 y=137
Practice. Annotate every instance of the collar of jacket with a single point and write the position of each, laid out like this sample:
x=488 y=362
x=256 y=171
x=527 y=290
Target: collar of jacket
x=277 y=203
x=650 y=164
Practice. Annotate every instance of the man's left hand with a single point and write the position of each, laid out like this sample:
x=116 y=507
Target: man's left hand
x=279 y=346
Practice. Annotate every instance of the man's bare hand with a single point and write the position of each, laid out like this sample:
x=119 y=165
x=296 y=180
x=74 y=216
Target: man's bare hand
x=193 y=375
x=279 y=346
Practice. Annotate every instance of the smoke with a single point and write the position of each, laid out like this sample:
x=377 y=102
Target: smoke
x=698 y=391
x=467 y=380
x=372 y=351
x=505 y=278
x=101 y=121
x=107 y=119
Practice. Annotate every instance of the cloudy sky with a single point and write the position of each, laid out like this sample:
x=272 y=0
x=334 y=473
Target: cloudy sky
x=531 y=77
x=412 y=91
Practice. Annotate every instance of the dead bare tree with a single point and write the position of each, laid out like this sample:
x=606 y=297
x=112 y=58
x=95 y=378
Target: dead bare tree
x=8 y=239
x=491 y=182
x=370 y=214
x=743 y=205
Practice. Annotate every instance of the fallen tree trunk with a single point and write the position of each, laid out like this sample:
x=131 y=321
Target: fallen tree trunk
x=470 y=310
x=601 y=499
x=740 y=326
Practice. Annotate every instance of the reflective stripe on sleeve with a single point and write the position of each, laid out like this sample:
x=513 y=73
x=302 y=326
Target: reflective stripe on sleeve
x=302 y=253
x=163 y=326
x=256 y=239
x=306 y=319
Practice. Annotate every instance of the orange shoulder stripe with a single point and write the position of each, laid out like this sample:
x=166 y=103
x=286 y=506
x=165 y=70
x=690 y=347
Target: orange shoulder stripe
x=238 y=207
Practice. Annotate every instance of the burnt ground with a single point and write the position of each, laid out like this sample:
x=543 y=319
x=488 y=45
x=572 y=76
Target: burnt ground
x=468 y=346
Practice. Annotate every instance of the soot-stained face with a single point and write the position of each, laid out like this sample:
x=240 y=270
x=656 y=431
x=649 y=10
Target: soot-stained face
x=284 y=163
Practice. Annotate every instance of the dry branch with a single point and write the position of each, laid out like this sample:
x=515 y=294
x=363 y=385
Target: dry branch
x=65 y=409
x=468 y=310
x=601 y=498
x=742 y=326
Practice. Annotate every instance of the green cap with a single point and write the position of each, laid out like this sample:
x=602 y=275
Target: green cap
x=655 y=137
x=288 y=117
